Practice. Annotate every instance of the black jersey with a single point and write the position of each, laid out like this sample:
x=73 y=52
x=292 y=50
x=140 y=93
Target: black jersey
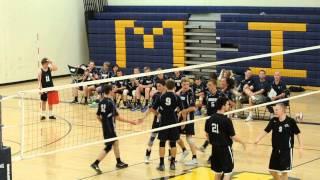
x=168 y=104
x=121 y=83
x=279 y=88
x=220 y=130
x=198 y=89
x=244 y=82
x=46 y=78
x=227 y=93
x=187 y=99
x=282 y=132
x=210 y=100
x=156 y=79
x=108 y=111
x=131 y=84
x=147 y=80
x=258 y=85
x=103 y=74
x=177 y=80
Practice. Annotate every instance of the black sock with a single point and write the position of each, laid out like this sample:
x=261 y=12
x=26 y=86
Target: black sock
x=161 y=160
x=194 y=156
x=148 y=152
x=206 y=143
x=173 y=159
x=85 y=99
x=119 y=160
x=138 y=102
x=169 y=152
x=96 y=162
x=76 y=98
x=125 y=103
x=199 y=109
x=147 y=102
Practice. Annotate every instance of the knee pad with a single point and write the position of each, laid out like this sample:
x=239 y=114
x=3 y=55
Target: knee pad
x=152 y=138
x=108 y=148
x=162 y=144
x=125 y=92
x=172 y=144
x=190 y=140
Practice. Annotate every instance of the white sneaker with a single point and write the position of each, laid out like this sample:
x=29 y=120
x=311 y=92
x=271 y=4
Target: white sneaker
x=249 y=118
x=184 y=155
x=193 y=162
x=147 y=159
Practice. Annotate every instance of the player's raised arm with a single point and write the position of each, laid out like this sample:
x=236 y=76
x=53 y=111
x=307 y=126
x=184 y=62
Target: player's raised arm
x=52 y=66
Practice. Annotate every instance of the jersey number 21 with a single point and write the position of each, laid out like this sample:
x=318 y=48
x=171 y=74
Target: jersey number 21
x=215 y=128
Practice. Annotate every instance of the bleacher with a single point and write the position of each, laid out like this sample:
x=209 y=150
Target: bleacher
x=166 y=36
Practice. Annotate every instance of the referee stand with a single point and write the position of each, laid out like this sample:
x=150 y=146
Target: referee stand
x=5 y=154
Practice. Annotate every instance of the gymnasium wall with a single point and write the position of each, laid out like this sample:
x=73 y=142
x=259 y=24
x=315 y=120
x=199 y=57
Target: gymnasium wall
x=62 y=36
x=137 y=36
x=263 y=3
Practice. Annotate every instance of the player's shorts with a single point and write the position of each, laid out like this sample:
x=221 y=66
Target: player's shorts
x=172 y=134
x=44 y=96
x=188 y=130
x=108 y=135
x=222 y=160
x=281 y=160
x=259 y=99
x=131 y=91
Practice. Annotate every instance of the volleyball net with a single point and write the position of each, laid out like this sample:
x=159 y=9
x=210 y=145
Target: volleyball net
x=76 y=125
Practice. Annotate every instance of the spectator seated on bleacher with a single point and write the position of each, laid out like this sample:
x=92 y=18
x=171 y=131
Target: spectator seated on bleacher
x=90 y=74
x=258 y=94
x=104 y=72
x=246 y=83
x=278 y=91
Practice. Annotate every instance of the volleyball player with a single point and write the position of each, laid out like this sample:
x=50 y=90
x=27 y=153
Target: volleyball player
x=107 y=114
x=156 y=120
x=177 y=77
x=169 y=103
x=211 y=96
x=144 y=88
x=283 y=130
x=221 y=134
x=188 y=103
x=198 y=89
x=45 y=81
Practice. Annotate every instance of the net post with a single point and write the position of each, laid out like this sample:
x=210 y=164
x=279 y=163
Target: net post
x=22 y=129
x=5 y=153
x=1 y=142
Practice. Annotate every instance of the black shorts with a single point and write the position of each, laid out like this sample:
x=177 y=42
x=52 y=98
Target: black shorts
x=44 y=96
x=130 y=93
x=189 y=128
x=222 y=160
x=108 y=135
x=172 y=134
x=281 y=160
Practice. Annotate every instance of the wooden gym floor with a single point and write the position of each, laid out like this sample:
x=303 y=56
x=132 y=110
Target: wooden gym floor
x=249 y=164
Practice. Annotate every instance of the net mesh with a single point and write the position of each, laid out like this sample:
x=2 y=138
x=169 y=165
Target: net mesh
x=76 y=124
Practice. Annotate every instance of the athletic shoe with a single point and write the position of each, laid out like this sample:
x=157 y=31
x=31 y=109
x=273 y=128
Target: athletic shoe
x=172 y=166
x=52 y=117
x=197 y=113
x=184 y=155
x=144 y=109
x=193 y=162
x=249 y=118
x=121 y=165
x=96 y=168
x=160 y=167
x=209 y=160
x=42 y=118
x=202 y=149
x=138 y=107
x=147 y=159
x=74 y=102
x=129 y=105
x=133 y=108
